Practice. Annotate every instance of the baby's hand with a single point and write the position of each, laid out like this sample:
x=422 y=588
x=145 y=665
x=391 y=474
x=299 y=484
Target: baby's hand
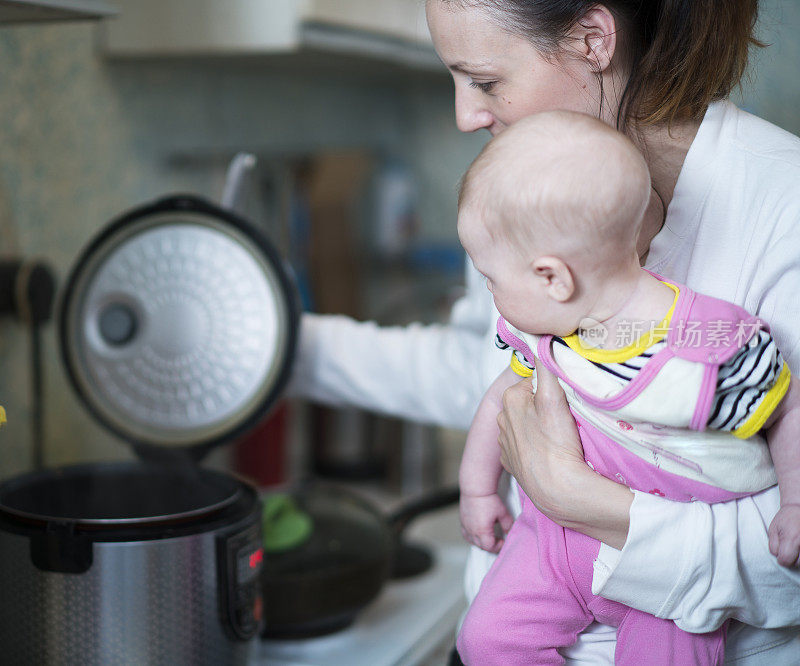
x=478 y=517
x=784 y=535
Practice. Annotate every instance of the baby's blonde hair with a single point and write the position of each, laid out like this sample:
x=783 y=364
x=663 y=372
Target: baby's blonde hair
x=561 y=183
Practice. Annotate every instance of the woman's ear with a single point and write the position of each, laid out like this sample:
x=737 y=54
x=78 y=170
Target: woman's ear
x=594 y=36
x=556 y=277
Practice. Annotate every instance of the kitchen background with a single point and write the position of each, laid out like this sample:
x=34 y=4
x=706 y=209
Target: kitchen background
x=85 y=137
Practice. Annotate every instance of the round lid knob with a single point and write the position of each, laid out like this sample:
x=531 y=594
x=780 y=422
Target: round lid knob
x=117 y=324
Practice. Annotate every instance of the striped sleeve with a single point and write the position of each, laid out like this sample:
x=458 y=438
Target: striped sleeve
x=519 y=364
x=749 y=387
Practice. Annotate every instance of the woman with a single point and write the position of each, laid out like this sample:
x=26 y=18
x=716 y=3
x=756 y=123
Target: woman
x=722 y=218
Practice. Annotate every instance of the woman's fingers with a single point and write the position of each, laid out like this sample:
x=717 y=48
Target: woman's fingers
x=548 y=394
x=538 y=439
x=518 y=395
x=517 y=404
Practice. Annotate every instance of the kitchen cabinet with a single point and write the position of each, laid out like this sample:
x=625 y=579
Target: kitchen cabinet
x=392 y=30
x=37 y=11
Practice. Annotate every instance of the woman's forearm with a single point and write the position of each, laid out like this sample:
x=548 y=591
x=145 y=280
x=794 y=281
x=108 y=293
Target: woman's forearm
x=595 y=506
x=700 y=564
x=582 y=500
x=418 y=372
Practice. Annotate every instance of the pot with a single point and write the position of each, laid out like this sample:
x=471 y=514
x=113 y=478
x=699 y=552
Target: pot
x=177 y=330
x=104 y=564
x=319 y=584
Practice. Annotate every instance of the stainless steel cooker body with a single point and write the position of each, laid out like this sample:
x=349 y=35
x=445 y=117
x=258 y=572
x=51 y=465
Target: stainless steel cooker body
x=181 y=588
x=162 y=601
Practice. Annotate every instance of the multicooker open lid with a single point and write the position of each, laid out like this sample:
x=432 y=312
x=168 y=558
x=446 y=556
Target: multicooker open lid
x=178 y=325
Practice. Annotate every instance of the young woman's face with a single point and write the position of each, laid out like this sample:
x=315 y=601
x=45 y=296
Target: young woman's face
x=500 y=77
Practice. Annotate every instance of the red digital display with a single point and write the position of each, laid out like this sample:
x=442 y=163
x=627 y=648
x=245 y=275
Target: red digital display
x=248 y=564
x=256 y=558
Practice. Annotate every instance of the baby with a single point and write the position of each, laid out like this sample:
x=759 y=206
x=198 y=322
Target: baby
x=672 y=391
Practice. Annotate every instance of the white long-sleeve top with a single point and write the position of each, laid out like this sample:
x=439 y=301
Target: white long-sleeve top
x=434 y=373
x=732 y=231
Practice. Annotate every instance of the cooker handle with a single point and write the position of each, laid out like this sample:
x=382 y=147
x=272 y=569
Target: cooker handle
x=60 y=550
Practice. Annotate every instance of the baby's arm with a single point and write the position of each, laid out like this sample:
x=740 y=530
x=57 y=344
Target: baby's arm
x=480 y=505
x=783 y=436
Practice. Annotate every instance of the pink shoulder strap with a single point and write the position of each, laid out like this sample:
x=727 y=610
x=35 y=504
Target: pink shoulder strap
x=710 y=331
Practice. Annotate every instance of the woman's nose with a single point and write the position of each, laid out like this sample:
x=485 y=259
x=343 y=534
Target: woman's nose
x=471 y=114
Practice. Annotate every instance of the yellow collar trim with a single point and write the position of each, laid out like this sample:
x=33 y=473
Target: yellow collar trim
x=632 y=350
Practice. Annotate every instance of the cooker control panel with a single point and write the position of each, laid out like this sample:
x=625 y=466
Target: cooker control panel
x=240 y=559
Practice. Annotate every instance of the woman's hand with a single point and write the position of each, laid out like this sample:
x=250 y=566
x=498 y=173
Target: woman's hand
x=539 y=440
x=541 y=448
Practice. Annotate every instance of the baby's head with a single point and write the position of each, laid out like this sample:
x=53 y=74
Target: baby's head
x=550 y=212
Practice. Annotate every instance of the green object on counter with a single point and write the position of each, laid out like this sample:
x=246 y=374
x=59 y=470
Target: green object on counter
x=285 y=525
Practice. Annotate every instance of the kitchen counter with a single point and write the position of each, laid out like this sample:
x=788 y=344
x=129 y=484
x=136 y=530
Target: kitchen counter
x=406 y=624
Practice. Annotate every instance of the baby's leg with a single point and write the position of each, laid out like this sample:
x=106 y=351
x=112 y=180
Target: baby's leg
x=528 y=605
x=645 y=639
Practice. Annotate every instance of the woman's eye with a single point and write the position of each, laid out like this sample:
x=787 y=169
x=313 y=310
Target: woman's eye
x=483 y=86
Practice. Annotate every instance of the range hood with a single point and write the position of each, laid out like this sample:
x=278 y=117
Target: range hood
x=40 y=11
x=389 y=30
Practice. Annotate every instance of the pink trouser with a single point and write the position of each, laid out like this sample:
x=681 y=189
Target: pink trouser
x=537 y=597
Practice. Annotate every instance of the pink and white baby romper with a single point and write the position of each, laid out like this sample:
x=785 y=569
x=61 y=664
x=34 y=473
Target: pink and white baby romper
x=677 y=413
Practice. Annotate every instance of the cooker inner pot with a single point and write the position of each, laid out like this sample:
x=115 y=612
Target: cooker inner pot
x=119 y=494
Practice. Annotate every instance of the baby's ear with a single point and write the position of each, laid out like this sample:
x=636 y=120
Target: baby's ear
x=557 y=278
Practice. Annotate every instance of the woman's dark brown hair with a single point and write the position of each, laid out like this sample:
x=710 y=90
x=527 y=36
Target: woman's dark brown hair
x=682 y=54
